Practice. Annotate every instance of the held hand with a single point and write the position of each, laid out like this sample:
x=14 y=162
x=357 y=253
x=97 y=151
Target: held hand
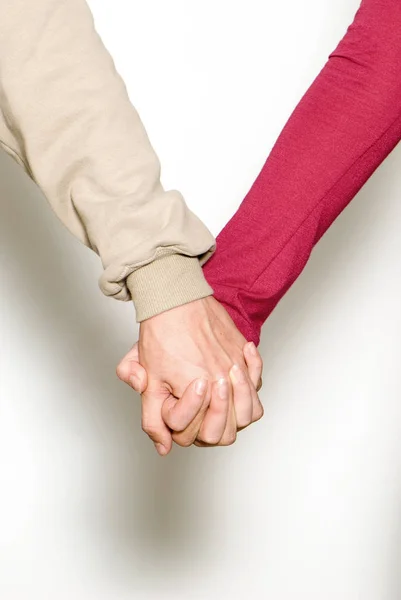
x=201 y=376
x=247 y=409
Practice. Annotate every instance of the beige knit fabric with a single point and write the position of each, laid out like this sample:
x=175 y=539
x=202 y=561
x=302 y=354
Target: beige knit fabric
x=65 y=116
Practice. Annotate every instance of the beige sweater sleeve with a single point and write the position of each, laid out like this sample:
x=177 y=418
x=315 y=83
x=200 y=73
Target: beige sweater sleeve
x=65 y=116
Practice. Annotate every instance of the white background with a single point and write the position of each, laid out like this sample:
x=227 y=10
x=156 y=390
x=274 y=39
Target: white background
x=307 y=504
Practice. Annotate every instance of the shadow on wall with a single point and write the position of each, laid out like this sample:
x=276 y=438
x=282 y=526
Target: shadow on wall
x=152 y=508
x=150 y=505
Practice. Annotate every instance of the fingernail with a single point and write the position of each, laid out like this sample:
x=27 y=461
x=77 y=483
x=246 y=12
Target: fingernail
x=252 y=349
x=238 y=374
x=200 y=386
x=162 y=450
x=222 y=388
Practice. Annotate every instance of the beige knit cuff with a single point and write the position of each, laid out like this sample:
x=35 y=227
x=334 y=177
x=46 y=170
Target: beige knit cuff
x=165 y=283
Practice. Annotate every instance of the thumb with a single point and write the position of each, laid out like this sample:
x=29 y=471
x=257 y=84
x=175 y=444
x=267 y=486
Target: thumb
x=179 y=413
x=131 y=372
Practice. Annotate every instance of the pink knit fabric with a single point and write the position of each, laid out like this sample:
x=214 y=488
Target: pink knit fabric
x=343 y=128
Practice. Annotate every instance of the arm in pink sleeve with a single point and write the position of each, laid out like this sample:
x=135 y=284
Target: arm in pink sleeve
x=346 y=124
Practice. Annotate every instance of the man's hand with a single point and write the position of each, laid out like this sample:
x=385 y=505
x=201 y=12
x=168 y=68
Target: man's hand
x=198 y=377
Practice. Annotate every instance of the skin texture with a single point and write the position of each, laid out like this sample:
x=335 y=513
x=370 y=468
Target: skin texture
x=197 y=374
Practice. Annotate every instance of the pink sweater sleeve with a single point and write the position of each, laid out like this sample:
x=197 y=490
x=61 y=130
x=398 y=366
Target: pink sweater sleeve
x=343 y=128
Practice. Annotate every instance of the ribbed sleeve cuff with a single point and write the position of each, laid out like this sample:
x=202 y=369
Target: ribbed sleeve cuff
x=165 y=283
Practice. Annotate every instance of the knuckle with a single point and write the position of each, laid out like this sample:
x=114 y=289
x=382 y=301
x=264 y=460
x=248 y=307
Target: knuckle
x=120 y=372
x=228 y=440
x=183 y=441
x=150 y=429
x=259 y=412
x=245 y=422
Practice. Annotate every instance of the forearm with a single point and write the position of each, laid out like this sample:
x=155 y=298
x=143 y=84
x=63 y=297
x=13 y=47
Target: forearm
x=65 y=116
x=343 y=128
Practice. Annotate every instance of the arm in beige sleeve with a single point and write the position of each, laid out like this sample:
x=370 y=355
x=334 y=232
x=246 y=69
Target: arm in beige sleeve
x=65 y=116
